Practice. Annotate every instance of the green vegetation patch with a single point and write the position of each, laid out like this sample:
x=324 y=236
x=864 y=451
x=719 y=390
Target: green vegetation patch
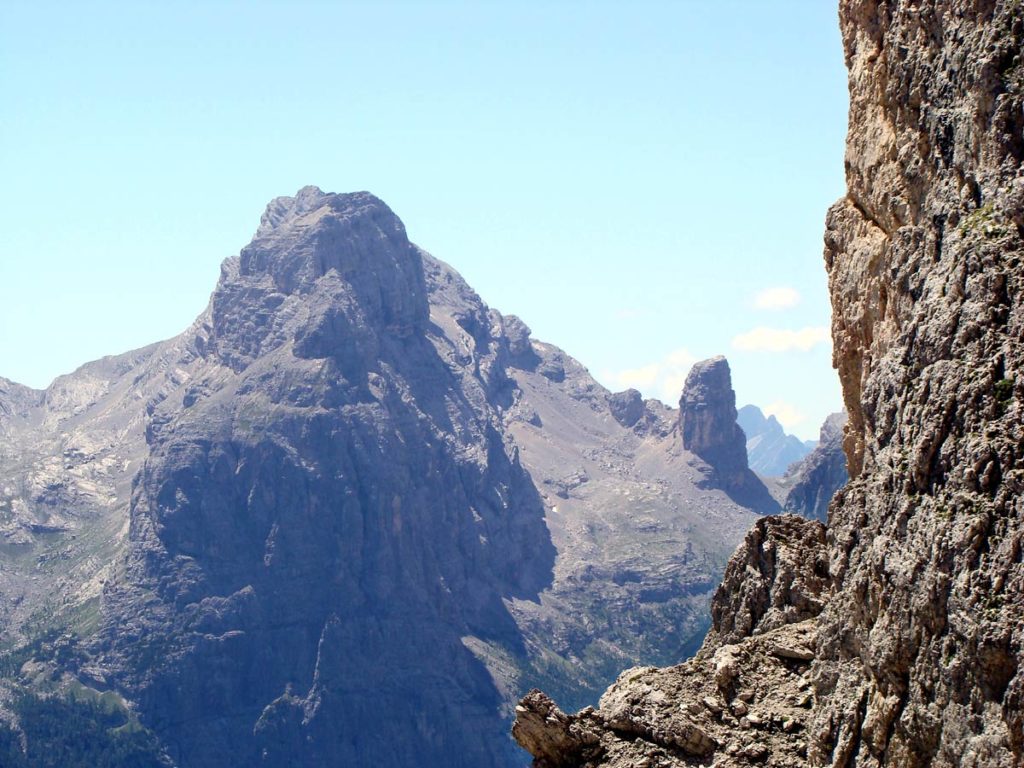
x=1004 y=394
x=984 y=221
x=63 y=733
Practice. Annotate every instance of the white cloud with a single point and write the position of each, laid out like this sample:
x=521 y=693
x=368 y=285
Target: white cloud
x=779 y=297
x=763 y=339
x=663 y=379
x=788 y=415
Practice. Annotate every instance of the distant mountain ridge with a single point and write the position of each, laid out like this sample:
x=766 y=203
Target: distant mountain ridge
x=769 y=449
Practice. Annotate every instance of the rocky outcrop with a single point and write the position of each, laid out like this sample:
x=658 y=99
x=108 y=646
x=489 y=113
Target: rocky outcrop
x=810 y=484
x=770 y=451
x=745 y=698
x=916 y=657
x=627 y=407
x=707 y=417
x=778 y=576
x=707 y=423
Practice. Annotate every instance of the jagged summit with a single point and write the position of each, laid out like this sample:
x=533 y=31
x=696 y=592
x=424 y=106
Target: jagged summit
x=284 y=211
x=300 y=239
x=349 y=514
x=770 y=451
x=322 y=270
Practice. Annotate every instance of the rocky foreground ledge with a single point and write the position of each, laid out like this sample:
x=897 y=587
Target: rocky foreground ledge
x=744 y=699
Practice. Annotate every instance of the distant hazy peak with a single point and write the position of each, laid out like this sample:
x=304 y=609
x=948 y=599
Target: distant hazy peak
x=770 y=451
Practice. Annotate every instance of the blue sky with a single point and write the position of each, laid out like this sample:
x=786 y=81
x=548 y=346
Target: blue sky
x=645 y=184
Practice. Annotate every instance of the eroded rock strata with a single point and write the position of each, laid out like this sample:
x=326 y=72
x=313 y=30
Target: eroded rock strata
x=920 y=642
x=707 y=424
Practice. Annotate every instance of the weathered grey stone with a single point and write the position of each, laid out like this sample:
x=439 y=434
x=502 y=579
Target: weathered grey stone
x=923 y=642
x=349 y=515
x=683 y=710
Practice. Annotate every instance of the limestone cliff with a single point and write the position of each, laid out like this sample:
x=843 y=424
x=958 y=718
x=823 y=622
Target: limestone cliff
x=919 y=645
x=922 y=643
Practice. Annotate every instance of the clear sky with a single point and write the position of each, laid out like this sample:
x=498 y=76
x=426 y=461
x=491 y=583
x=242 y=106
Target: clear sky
x=644 y=183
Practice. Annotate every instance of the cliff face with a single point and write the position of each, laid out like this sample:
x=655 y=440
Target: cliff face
x=923 y=640
x=707 y=418
x=916 y=656
x=326 y=510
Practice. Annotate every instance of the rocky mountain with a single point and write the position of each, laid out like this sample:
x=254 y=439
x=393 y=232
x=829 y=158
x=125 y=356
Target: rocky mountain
x=809 y=485
x=352 y=513
x=902 y=643
x=770 y=450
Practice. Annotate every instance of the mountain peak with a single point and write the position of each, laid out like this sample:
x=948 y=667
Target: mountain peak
x=301 y=238
x=283 y=212
x=323 y=270
x=707 y=423
x=770 y=451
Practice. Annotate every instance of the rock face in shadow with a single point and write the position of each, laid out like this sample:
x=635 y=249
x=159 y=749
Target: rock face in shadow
x=707 y=423
x=810 y=484
x=916 y=656
x=707 y=418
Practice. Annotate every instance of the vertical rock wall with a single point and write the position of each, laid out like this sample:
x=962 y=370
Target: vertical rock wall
x=921 y=644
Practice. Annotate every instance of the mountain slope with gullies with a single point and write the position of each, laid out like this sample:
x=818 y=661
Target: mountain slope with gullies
x=895 y=637
x=351 y=514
